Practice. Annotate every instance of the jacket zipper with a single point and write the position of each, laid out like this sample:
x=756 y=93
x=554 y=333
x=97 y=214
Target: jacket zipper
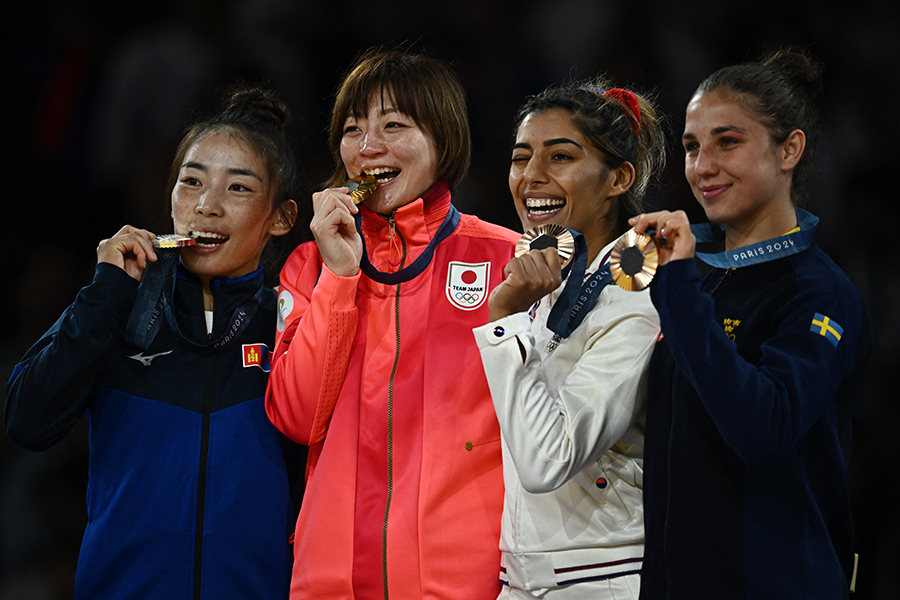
x=201 y=479
x=720 y=281
x=394 y=234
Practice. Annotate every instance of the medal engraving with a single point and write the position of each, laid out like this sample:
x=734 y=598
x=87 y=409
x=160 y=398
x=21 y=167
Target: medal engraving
x=633 y=261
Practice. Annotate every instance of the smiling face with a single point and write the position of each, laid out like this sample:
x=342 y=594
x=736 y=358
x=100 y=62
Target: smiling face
x=556 y=176
x=737 y=173
x=224 y=199
x=392 y=147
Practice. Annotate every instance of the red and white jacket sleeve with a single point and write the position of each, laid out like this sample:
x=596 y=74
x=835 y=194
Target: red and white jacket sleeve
x=316 y=328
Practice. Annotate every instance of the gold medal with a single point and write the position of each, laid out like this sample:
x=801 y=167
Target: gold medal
x=361 y=187
x=548 y=236
x=173 y=240
x=633 y=261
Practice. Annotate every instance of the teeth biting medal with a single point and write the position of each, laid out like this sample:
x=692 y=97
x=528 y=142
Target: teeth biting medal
x=173 y=240
x=360 y=187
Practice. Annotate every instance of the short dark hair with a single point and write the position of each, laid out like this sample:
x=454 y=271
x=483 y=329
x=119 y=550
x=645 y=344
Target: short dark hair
x=423 y=88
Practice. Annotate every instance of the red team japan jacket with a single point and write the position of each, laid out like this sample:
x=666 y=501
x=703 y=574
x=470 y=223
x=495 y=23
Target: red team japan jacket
x=384 y=382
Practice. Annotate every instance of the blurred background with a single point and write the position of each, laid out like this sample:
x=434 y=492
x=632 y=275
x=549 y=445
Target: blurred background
x=98 y=95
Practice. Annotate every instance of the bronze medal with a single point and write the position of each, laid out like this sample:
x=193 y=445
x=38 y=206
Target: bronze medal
x=548 y=236
x=173 y=240
x=633 y=261
x=361 y=187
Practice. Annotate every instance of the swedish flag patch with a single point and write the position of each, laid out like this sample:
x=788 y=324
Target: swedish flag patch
x=824 y=326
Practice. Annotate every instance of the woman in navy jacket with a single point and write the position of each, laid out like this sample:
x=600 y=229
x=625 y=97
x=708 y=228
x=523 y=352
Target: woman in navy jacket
x=752 y=388
x=188 y=492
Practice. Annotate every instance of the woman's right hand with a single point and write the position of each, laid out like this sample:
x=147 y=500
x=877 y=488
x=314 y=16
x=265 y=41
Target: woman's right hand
x=674 y=227
x=335 y=231
x=130 y=249
x=529 y=278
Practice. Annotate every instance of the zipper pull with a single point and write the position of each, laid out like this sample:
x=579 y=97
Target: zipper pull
x=395 y=243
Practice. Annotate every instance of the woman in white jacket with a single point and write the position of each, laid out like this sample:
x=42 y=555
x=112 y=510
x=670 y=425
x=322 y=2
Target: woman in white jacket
x=566 y=355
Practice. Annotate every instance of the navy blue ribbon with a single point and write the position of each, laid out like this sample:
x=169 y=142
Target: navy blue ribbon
x=760 y=252
x=417 y=266
x=569 y=310
x=240 y=319
x=144 y=321
x=155 y=299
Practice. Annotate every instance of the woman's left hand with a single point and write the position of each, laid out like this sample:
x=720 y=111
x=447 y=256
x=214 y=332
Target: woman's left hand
x=529 y=278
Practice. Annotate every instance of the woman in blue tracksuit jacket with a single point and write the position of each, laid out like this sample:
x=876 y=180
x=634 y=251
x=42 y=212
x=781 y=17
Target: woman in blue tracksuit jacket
x=752 y=388
x=188 y=492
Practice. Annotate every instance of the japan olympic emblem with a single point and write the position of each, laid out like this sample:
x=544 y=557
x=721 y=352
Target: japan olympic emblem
x=467 y=284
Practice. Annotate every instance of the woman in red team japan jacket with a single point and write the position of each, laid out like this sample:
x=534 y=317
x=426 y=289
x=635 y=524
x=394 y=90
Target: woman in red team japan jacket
x=375 y=365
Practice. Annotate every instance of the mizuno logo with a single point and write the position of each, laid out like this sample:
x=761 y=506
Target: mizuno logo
x=146 y=359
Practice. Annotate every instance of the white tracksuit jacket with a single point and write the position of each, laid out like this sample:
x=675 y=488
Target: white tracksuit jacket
x=572 y=428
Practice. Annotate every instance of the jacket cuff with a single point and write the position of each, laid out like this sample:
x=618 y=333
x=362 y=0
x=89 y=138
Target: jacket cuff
x=341 y=290
x=111 y=284
x=502 y=330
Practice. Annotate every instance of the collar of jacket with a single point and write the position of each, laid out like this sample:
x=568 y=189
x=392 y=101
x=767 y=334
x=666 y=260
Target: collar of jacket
x=229 y=294
x=414 y=225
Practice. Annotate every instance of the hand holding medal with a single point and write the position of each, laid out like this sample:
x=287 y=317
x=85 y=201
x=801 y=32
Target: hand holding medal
x=632 y=262
x=634 y=259
x=535 y=271
x=548 y=236
x=132 y=249
x=673 y=232
x=334 y=227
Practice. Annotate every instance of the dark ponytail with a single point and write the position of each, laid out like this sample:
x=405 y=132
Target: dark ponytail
x=783 y=91
x=611 y=127
x=258 y=118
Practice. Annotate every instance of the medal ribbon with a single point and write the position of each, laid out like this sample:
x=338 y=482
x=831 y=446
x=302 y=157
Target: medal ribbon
x=568 y=311
x=240 y=319
x=155 y=299
x=417 y=266
x=785 y=245
x=143 y=323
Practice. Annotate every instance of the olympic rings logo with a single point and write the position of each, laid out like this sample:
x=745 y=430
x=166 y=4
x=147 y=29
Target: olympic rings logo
x=467 y=298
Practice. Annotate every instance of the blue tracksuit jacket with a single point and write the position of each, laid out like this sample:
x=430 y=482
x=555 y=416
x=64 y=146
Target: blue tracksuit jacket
x=188 y=492
x=750 y=398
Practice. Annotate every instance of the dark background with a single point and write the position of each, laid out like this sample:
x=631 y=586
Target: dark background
x=97 y=95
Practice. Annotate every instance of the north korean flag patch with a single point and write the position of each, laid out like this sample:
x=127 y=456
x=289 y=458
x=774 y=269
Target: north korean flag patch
x=256 y=355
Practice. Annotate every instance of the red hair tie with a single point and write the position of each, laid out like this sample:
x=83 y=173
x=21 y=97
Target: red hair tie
x=630 y=101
